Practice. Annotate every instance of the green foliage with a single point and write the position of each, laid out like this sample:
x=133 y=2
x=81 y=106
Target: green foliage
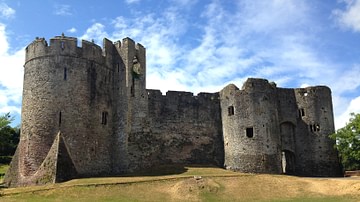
x=9 y=138
x=5 y=120
x=348 y=143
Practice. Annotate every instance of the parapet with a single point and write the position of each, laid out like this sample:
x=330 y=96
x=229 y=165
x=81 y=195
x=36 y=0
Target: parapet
x=68 y=46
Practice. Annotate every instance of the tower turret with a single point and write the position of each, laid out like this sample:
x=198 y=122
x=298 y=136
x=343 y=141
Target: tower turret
x=250 y=127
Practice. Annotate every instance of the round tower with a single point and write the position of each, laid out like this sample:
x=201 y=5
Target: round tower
x=316 y=155
x=67 y=89
x=250 y=127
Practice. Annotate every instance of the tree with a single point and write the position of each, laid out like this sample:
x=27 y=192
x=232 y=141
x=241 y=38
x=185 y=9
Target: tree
x=5 y=120
x=9 y=138
x=348 y=143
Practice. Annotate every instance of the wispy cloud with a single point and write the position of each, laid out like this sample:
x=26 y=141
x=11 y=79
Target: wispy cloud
x=275 y=39
x=6 y=11
x=95 y=33
x=350 y=16
x=72 y=30
x=11 y=77
x=132 y=1
x=63 y=10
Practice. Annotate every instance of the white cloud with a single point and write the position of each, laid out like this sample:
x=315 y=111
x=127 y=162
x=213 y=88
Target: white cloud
x=350 y=17
x=96 y=32
x=72 y=30
x=6 y=11
x=11 y=76
x=273 y=39
x=63 y=10
x=132 y=1
x=352 y=107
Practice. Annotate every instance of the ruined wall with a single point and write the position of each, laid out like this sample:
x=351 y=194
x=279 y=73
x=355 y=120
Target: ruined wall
x=250 y=127
x=184 y=129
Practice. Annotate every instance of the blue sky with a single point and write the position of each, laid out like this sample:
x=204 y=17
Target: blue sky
x=201 y=45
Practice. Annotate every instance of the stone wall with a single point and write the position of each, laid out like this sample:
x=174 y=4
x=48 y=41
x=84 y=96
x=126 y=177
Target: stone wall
x=182 y=129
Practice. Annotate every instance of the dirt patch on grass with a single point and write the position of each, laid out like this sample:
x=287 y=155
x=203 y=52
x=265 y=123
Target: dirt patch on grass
x=191 y=189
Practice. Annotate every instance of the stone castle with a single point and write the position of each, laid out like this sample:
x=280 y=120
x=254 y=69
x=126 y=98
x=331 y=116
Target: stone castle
x=86 y=112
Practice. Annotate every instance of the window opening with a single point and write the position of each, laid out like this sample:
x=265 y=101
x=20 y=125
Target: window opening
x=62 y=45
x=118 y=67
x=59 y=118
x=104 y=118
x=301 y=112
x=314 y=127
x=132 y=90
x=65 y=73
x=250 y=132
x=231 y=110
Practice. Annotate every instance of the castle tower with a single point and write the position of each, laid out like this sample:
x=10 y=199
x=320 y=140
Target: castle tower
x=250 y=127
x=76 y=92
x=131 y=102
x=315 y=153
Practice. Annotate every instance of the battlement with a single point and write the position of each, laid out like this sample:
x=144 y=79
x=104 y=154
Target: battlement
x=68 y=46
x=157 y=94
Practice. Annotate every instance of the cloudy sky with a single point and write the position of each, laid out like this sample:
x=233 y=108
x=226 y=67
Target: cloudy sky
x=201 y=45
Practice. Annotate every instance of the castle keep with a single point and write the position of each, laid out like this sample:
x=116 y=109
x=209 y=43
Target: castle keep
x=86 y=112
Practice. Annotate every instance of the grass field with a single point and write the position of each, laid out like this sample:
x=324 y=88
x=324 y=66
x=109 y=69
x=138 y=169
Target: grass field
x=192 y=184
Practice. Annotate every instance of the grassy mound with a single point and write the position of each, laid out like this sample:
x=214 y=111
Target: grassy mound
x=192 y=184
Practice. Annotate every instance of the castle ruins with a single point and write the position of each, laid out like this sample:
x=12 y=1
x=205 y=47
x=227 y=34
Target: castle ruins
x=86 y=112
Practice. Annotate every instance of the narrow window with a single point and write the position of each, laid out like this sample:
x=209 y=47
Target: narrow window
x=301 y=112
x=314 y=127
x=250 y=132
x=231 y=110
x=132 y=89
x=104 y=118
x=118 y=67
x=59 y=118
x=65 y=73
x=62 y=45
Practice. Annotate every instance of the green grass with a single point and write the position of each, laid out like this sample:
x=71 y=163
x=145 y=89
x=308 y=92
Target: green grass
x=3 y=169
x=179 y=184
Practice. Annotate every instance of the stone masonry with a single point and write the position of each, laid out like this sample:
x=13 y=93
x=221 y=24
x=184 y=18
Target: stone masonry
x=86 y=112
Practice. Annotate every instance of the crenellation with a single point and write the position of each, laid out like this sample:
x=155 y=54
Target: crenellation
x=87 y=110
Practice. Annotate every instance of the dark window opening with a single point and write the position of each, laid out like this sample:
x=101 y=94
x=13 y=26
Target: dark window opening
x=65 y=73
x=132 y=90
x=314 y=127
x=249 y=132
x=104 y=118
x=118 y=67
x=231 y=110
x=62 y=45
x=301 y=112
x=59 y=118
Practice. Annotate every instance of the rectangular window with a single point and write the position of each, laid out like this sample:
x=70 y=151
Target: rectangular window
x=65 y=73
x=231 y=110
x=104 y=118
x=59 y=118
x=62 y=45
x=314 y=127
x=301 y=112
x=250 y=132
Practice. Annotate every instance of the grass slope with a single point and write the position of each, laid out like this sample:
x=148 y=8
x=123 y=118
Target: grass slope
x=185 y=184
